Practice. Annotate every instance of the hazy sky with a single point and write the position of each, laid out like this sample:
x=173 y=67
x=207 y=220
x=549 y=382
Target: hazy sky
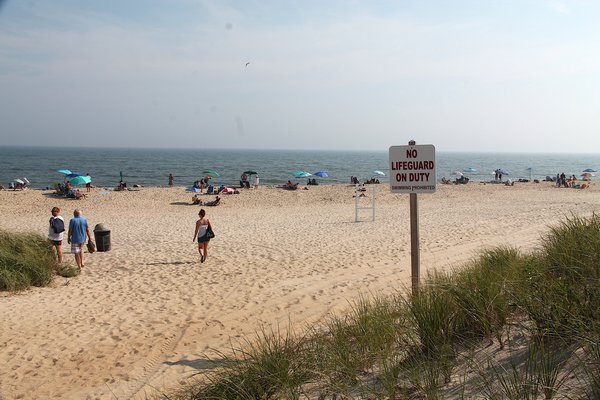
x=464 y=75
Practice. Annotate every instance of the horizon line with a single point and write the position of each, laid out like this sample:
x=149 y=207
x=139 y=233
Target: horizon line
x=279 y=149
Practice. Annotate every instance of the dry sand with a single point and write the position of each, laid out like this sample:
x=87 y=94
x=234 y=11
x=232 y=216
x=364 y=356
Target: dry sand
x=144 y=315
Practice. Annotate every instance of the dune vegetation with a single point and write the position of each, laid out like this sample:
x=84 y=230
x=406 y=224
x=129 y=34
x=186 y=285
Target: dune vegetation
x=506 y=326
x=26 y=259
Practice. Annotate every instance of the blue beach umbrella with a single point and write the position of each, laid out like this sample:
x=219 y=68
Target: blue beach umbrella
x=81 y=180
x=378 y=172
x=321 y=174
x=589 y=170
x=192 y=190
x=73 y=175
x=65 y=171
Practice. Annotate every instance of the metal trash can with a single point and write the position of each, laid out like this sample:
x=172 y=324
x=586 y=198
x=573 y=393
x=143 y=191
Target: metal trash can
x=102 y=236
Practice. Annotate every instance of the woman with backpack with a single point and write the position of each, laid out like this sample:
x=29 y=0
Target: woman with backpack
x=56 y=232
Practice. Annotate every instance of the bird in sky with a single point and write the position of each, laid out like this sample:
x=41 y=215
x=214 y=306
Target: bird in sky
x=248 y=63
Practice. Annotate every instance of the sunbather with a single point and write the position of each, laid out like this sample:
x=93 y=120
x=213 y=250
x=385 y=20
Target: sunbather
x=214 y=202
x=76 y=194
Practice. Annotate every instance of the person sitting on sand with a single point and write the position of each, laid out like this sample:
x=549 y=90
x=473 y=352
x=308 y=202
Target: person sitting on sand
x=572 y=181
x=290 y=186
x=196 y=200
x=244 y=183
x=214 y=202
x=121 y=186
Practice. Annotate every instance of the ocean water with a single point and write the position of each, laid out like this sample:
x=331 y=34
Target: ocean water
x=151 y=167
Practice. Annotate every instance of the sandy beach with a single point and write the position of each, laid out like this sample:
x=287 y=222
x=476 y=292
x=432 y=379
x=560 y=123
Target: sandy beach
x=145 y=315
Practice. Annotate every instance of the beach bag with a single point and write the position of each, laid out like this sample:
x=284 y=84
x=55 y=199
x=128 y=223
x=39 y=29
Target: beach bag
x=209 y=233
x=58 y=225
x=91 y=247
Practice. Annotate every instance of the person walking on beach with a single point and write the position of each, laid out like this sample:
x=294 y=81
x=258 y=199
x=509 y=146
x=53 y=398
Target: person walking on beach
x=56 y=232
x=79 y=234
x=202 y=226
x=171 y=180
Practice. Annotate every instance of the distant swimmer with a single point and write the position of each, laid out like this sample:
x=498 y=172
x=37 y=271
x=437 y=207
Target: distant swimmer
x=248 y=63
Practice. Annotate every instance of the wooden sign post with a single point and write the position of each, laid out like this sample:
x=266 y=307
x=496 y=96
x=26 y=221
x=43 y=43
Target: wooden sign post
x=412 y=170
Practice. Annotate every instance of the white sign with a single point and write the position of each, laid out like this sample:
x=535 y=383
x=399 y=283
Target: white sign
x=412 y=169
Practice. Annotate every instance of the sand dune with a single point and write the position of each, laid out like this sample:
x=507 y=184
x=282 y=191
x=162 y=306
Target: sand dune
x=145 y=315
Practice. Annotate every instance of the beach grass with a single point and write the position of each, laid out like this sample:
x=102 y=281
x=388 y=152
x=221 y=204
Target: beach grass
x=67 y=271
x=26 y=259
x=275 y=365
x=560 y=291
x=506 y=326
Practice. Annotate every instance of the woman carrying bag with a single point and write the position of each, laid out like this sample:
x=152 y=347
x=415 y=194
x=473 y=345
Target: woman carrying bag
x=203 y=234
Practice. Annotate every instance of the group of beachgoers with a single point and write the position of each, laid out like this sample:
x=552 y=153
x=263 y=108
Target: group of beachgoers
x=67 y=190
x=245 y=180
x=561 y=180
x=78 y=235
x=17 y=184
x=197 y=200
x=461 y=180
x=354 y=181
x=205 y=184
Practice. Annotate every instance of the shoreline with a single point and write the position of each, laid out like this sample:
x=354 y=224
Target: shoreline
x=145 y=314
x=384 y=183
